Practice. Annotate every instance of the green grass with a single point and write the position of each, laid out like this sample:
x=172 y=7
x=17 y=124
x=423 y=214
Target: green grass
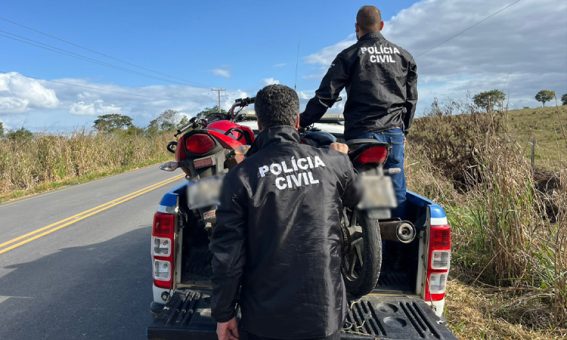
x=548 y=126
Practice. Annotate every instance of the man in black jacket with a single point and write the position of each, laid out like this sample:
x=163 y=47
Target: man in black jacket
x=277 y=242
x=381 y=84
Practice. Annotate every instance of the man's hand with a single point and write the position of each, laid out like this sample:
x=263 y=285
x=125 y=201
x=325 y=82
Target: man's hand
x=340 y=147
x=228 y=330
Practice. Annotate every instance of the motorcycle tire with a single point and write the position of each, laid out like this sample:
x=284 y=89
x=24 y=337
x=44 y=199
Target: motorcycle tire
x=368 y=272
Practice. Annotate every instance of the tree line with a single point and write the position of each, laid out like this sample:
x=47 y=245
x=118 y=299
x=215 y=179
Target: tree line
x=170 y=120
x=494 y=99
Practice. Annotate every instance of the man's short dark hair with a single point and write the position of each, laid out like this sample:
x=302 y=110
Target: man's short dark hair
x=369 y=18
x=276 y=105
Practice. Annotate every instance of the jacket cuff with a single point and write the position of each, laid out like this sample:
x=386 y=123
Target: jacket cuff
x=223 y=317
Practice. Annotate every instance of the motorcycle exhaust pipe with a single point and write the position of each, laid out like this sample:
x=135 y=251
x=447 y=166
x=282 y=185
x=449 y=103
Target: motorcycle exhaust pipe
x=399 y=231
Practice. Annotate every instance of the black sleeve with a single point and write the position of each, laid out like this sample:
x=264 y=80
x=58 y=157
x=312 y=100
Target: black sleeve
x=352 y=186
x=331 y=86
x=228 y=248
x=411 y=94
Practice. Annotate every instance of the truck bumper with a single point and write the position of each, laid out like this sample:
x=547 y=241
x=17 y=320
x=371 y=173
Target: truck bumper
x=187 y=315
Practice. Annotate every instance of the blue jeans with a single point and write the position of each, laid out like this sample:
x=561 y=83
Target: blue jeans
x=395 y=137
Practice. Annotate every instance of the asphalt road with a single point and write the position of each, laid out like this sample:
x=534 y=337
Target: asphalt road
x=83 y=278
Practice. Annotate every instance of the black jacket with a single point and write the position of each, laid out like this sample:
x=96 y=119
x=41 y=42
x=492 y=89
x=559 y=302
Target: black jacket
x=278 y=237
x=381 y=84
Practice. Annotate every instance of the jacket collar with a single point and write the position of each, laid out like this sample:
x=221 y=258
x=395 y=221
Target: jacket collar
x=373 y=35
x=274 y=134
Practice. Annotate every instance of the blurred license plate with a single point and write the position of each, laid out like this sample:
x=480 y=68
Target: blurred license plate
x=204 y=192
x=378 y=192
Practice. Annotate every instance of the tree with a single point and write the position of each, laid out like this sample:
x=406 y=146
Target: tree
x=544 y=96
x=209 y=112
x=489 y=99
x=564 y=99
x=22 y=134
x=184 y=121
x=112 y=122
x=1 y=129
x=167 y=121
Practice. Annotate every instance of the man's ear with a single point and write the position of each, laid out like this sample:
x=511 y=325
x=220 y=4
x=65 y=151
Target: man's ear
x=297 y=122
x=381 y=25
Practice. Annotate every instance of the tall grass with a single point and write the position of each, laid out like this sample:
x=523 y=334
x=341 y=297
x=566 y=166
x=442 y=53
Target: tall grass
x=29 y=163
x=505 y=233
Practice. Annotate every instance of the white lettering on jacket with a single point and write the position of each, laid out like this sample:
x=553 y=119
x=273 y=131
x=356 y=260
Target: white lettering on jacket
x=294 y=173
x=380 y=54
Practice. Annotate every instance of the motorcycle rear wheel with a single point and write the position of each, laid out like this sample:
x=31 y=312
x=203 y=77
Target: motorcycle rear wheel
x=362 y=254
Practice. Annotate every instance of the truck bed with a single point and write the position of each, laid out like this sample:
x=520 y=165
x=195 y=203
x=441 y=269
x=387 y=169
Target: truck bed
x=188 y=316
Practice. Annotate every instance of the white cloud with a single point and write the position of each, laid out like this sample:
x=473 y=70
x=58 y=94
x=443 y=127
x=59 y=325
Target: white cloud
x=78 y=101
x=96 y=107
x=326 y=55
x=19 y=94
x=221 y=72
x=513 y=51
x=305 y=94
x=270 y=81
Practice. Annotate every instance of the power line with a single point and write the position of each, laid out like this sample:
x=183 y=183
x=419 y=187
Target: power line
x=469 y=28
x=65 y=52
x=49 y=35
x=218 y=91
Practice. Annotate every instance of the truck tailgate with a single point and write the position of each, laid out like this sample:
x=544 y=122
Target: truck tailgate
x=188 y=316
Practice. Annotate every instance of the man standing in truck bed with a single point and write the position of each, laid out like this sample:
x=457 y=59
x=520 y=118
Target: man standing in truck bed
x=381 y=85
x=277 y=237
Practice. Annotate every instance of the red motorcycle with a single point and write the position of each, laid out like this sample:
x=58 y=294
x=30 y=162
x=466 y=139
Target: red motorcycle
x=208 y=147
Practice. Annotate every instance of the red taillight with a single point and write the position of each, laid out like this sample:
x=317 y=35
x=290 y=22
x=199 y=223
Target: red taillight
x=199 y=144
x=440 y=237
x=373 y=155
x=439 y=260
x=164 y=224
x=163 y=231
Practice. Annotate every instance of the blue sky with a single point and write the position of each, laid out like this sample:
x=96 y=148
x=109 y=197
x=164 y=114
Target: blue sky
x=241 y=46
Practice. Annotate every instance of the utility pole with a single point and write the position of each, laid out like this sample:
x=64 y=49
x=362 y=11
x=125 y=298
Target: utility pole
x=218 y=91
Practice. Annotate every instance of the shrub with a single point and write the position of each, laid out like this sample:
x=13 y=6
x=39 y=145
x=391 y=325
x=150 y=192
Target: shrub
x=505 y=233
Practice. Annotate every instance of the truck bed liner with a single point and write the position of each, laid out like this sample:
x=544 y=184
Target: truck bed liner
x=188 y=316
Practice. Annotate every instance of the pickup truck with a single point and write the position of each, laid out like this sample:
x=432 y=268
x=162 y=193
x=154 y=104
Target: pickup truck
x=407 y=302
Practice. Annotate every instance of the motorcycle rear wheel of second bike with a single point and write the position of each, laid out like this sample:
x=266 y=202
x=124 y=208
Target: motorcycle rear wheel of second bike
x=362 y=253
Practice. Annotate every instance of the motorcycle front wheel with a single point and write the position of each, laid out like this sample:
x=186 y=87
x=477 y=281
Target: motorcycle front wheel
x=362 y=253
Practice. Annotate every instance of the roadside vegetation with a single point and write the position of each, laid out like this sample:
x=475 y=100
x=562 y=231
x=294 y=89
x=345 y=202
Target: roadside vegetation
x=42 y=162
x=34 y=162
x=509 y=215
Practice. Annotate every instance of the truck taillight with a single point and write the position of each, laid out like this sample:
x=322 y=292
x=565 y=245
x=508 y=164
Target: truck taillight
x=161 y=246
x=439 y=261
x=163 y=230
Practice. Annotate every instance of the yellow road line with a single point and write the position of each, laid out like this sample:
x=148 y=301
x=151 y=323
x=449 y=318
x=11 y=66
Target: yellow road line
x=83 y=212
x=53 y=227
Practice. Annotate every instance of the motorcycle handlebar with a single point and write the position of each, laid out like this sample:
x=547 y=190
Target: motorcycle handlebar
x=245 y=101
